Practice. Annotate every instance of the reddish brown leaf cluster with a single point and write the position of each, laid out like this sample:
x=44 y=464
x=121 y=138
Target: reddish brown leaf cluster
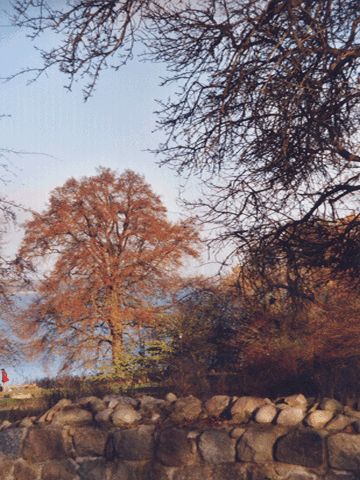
x=114 y=257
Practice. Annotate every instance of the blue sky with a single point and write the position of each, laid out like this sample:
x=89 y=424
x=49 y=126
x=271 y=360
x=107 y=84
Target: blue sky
x=71 y=138
x=64 y=137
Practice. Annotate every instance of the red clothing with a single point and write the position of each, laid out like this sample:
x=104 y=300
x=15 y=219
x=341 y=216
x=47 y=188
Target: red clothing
x=4 y=377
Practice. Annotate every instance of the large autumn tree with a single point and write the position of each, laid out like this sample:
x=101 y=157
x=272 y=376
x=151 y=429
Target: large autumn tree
x=114 y=260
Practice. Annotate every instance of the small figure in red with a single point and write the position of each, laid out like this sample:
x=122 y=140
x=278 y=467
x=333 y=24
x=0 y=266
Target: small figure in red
x=5 y=380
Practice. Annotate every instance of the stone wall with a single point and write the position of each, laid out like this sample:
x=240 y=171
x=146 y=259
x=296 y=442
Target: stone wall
x=224 y=438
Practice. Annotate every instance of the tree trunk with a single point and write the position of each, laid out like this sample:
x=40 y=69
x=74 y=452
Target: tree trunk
x=116 y=328
x=117 y=347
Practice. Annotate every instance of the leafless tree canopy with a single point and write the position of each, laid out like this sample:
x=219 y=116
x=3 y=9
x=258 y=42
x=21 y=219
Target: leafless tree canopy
x=266 y=109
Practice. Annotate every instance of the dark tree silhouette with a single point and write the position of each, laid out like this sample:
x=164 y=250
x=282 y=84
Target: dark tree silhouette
x=266 y=110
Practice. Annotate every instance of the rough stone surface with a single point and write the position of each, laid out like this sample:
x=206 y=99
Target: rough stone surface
x=230 y=471
x=72 y=415
x=356 y=425
x=340 y=475
x=339 y=422
x=42 y=444
x=194 y=472
x=331 y=404
x=92 y=403
x=6 y=468
x=244 y=407
x=59 y=470
x=319 y=418
x=297 y=400
x=25 y=471
x=256 y=444
x=207 y=444
x=89 y=441
x=175 y=448
x=104 y=416
x=216 y=446
x=161 y=472
x=114 y=400
x=265 y=414
x=237 y=432
x=92 y=470
x=216 y=405
x=293 y=472
x=187 y=409
x=352 y=413
x=49 y=415
x=131 y=471
x=290 y=416
x=135 y=444
x=151 y=402
x=11 y=441
x=344 y=452
x=125 y=414
x=26 y=422
x=171 y=397
x=301 y=448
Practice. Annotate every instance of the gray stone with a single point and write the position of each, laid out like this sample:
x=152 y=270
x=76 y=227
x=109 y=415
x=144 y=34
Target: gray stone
x=265 y=414
x=256 y=444
x=237 y=432
x=104 y=416
x=114 y=400
x=160 y=472
x=216 y=405
x=344 y=451
x=48 y=416
x=340 y=475
x=175 y=448
x=72 y=415
x=230 y=471
x=131 y=471
x=331 y=404
x=125 y=415
x=153 y=409
x=217 y=447
x=195 y=472
x=6 y=468
x=151 y=402
x=301 y=447
x=170 y=397
x=11 y=442
x=290 y=416
x=293 y=472
x=5 y=425
x=244 y=407
x=319 y=418
x=194 y=434
x=92 y=470
x=26 y=422
x=60 y=470
x=94 y=404
x=42 y=444
x=186 y=409
x=25 y=471
x=340 y=422
x=244 y=471
x=297 y=400
x=355 y=425
x=89 y=441
x=352 y=413
x=135 y=444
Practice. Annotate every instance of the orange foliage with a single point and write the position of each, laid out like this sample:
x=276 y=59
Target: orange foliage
x=114 y=256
